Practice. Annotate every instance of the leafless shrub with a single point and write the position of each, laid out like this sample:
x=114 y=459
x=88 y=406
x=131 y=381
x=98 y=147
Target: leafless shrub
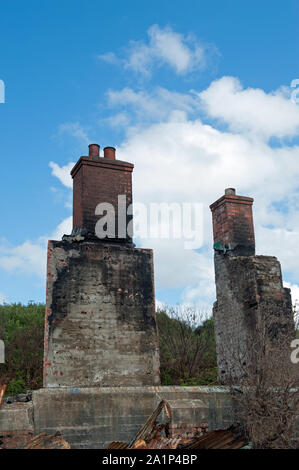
x=187 y=346
x=267 y=399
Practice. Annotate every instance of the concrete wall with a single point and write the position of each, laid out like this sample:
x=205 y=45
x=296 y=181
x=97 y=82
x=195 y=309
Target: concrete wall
x=94 y=417
x=16 y=425
x=100 y=327
x=253 y=311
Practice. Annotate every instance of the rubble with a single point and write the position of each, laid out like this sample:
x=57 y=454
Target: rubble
x=44 y=441
x=154 y=434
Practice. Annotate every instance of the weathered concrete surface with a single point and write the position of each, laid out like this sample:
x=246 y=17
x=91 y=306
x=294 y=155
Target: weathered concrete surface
x=253 y=313
x=100 y=327
x=93 y=417
x=16 y=417
x=253 y=310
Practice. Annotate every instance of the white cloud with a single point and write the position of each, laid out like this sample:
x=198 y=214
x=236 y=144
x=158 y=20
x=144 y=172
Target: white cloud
x=143 y=107
x=3 y=299
x=179 y=158
x=294 y=292
x=109 y=57
x=183 y=53
x=63 y=173
x=251 y=110
x=74 y=129
x=30 y=257
x=64 y=228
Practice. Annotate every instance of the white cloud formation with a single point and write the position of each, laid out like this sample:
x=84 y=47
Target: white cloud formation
x=3 y=299
x=74 y=129
x=251 y=110
x=30 y=257
x=183 y=53
x=64 y=228
x=294 y=292
x=63 y=173
x=179 y=158
x=158 y=105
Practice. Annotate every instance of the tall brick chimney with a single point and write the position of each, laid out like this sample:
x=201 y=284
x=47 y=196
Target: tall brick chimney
x=233 y=224
x=97 y=180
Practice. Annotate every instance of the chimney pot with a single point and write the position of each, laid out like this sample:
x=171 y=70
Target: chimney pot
x=230 y=192
x=109 y=152
x=94 y=150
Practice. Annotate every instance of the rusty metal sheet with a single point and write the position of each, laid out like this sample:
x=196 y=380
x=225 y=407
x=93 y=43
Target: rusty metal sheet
x=44 y=441
x=118 y=445
x=2 y=393
x=151 y=428
x=219 y=439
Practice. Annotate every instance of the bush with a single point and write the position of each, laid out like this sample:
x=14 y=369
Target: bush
x=187 y=347
x=22 y=330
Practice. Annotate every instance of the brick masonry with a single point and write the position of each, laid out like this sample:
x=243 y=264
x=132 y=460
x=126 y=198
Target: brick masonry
x=233 y=223
x=100 y=180
x=250 y=295
x=100 y=327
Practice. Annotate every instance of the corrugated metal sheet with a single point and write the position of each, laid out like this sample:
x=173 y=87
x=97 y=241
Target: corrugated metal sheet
x=153 y=435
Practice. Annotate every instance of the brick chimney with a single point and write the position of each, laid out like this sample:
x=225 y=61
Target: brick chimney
x=233 y=224
x=97 y=180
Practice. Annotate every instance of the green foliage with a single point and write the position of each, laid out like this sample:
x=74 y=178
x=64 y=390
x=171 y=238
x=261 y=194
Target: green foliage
x=22 y=329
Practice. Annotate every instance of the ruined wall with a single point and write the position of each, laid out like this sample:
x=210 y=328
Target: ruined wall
x=16 y=425
x=100 y=326
x=100 y=321
x=253 y=312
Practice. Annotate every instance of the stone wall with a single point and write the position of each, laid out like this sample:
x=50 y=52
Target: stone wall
x=253 y=312
x=100 y=327
x=252 y=305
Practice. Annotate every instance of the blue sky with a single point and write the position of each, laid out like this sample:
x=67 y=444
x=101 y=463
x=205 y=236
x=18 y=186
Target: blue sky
x=195 y=92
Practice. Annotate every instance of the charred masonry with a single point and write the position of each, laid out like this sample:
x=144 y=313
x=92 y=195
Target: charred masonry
x=101 y=360
x=250 y=293
x=100 y=320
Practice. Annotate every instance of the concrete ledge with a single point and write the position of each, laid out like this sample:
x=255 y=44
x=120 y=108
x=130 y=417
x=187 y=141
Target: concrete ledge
x=16 y=417
x=93 y=417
